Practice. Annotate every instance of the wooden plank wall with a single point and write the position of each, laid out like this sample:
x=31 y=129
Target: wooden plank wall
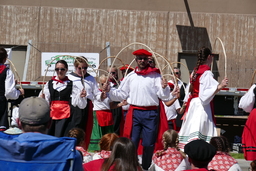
x=167 y=33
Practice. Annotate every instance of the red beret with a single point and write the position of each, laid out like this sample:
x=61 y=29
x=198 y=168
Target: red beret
x=142 y=52
x=125 y=67
x=171 y=85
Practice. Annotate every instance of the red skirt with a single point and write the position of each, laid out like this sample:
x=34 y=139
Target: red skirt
x=104 y=117
x=249 y=138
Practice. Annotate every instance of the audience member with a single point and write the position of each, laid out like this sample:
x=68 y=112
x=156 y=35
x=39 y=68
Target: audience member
x=253 y=166
x=79 y=134
x=123 y=158
x=34 y=145
x=222 y=161
x=170 y=157
x=106 y=144
x=200 y=153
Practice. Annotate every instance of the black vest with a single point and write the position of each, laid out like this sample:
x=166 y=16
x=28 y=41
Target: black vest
x=2 y=81
x=63 y=95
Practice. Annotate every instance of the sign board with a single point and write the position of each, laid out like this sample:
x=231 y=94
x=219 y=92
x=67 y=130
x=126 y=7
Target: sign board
x=49 y=59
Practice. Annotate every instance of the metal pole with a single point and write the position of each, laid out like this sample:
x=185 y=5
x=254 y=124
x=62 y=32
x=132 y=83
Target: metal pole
x=26 y=61
x=108 y=53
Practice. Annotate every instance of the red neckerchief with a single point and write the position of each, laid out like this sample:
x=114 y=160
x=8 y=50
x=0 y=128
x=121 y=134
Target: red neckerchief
x=60 y=81
x=2 y=67
x=221 y=161
x=195 y=82
x=146 y=71
x=169 y=160
x=113 y=81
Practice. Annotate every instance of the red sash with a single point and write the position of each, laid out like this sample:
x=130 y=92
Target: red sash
x=162 y=126
x=104 y=117
x=60 y=110
x=89 y=124
x=195 y=93
x=128 y=120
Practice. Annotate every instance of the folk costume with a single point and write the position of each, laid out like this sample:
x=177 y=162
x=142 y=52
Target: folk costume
x=199 y=120
x=7 y=91
x=103 y=123
x=61 y=94
x=247 y=103
x=222 y=161
x=169 y=160
x=142 y=90
x=83 y=117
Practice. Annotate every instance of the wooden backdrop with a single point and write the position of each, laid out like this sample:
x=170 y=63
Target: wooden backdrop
x=55 y=29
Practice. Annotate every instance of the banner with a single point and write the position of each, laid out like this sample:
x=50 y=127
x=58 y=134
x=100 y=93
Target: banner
x=47 y=61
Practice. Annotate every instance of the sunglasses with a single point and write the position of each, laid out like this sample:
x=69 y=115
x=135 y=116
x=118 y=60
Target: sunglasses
x=150 y=62
x=82 y=68
x=60 y=69
x=113 y=73
x=140 y=58
x=177 y=73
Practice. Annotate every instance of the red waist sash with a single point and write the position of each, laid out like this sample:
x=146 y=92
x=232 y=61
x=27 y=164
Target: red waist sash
x=104 y=117
x=60 y=110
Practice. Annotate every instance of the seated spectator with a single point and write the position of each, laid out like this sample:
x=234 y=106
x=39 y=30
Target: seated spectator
x=222 y=161
x=79 y=134
x=123 y=157
x=253 y=166
x=170 y=157
x=200 y=153
x=35 y=148
x=106 y=144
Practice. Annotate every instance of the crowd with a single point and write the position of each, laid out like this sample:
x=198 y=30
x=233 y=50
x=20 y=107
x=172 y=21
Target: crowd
x=142 y=122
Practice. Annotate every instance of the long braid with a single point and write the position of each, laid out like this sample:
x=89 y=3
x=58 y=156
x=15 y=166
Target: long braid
x=201 y=58
x=220 y=143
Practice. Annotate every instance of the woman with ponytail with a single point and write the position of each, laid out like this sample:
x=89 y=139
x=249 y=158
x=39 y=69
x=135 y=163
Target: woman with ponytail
x=170 y=158
x=198 y=120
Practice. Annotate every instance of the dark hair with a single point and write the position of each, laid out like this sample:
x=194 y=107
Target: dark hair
x=77 y=133
x=253 y=165
x=34 y=128
x=107 y=141
x=62 y=62
x=79 y=60
x=3 y=55
x=220 y=143
x=123 y=156
x=202 y=56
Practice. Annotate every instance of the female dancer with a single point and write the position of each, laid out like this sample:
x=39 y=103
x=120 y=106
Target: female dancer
x=83 y=117
x=61 y=93
x=247 y=103
x=198 y=122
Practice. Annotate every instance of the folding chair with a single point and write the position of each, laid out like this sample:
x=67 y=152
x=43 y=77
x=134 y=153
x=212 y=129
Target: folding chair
x=23 y=153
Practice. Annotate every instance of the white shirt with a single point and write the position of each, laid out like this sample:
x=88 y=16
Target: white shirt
x=91 y=86
x=76 y=100
x=10 y=90
x=101 y=105
x=247 y=100
x=141 y=90
x=171 y=111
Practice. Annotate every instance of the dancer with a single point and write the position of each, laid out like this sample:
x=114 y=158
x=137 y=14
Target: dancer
x=247 y=103
x=61 y=93
x=83 y=117
x=142 y=89
x=7 y=90
x=199 y=120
